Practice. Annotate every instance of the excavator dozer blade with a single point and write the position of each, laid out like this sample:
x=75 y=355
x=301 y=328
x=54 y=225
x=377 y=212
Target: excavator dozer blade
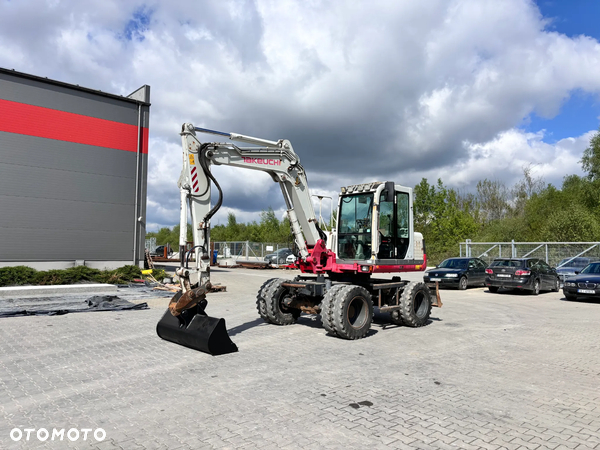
x=194 y=329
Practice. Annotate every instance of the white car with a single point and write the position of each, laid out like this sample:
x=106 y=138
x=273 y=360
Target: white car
x=291 y=259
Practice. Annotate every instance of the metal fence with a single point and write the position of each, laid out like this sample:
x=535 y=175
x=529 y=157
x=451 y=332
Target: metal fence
x=551 y=252
x=246 y=249
x=151 y=244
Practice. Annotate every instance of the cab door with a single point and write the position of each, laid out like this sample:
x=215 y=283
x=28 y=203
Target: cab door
x=395 y=226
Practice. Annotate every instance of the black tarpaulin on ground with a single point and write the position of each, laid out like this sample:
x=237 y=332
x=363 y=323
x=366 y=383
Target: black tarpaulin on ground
x=61 y=305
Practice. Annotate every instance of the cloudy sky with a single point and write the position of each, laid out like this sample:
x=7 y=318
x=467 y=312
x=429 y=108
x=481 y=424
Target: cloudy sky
x=460 y=90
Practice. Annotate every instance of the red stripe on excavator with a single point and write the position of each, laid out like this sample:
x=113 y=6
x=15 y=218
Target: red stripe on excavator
x=20 y=118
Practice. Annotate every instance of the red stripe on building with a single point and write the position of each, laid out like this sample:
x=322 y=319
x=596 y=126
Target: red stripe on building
x=49 y=123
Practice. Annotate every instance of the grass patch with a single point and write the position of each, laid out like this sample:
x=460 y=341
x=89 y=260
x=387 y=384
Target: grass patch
x=21 y=275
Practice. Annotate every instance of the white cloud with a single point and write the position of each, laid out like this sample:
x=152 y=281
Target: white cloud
x=380 y=90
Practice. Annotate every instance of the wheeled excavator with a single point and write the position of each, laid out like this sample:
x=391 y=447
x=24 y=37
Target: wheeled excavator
x=339 y=268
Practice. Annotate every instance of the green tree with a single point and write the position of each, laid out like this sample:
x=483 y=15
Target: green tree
x=492 y=197
x=573 y=223
x=524 y=189
x=441 y=216
x=590 y=162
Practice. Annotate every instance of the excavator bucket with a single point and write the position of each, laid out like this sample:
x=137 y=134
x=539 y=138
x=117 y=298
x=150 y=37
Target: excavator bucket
x=192 y=328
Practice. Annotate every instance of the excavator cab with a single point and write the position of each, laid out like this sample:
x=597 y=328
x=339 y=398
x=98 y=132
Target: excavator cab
x=374 y=223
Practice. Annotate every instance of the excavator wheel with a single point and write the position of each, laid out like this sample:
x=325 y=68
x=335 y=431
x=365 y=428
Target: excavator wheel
x=277 y=312
x=415 y=304
x=327 y=309
x=261 y=304
x=352 y=312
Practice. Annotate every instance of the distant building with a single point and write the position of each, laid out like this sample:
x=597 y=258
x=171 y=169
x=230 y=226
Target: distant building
x=73 y=174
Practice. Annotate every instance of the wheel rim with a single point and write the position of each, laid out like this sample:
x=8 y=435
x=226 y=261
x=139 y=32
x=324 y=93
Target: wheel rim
x=420 y=304
x=284 y=309
x=357 y=312
x=463 y=283
x=536 y=286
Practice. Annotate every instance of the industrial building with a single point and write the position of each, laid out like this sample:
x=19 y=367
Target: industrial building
x=73 y=174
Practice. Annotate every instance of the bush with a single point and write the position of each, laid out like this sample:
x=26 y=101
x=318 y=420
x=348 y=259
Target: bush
x=121 y=275
x=16 y=276
x=67 y=276
x=20 y=275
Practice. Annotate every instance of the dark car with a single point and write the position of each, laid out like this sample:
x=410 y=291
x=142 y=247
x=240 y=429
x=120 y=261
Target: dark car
x=279 y=256
x=457 y=272
x=160 y=250
x=585 y=284
x=569 y=267
x=528 y=274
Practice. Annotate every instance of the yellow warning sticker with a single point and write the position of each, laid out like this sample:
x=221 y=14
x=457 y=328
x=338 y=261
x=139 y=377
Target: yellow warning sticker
x=192 y=160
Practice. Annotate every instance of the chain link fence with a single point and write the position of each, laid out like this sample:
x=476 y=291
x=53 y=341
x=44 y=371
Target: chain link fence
x=552 y=252
x=247 y=250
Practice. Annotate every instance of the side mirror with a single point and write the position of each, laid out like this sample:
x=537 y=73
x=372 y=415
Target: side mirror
x=577 y=272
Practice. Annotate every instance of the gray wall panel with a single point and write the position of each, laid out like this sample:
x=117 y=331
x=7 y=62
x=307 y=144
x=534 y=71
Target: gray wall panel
x=34 y=151
x=48 y=245
x=32 y=92
x=63 y=201
x=29 y=212
x=23 y=181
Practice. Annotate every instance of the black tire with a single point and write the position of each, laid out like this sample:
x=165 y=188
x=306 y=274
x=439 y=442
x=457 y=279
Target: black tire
x=277 y=312
x=352 y=312
x=261 y=305
x=556 y=287
x=536 y=287
x=327 y=308
x=415 y=304
x=463 y=283
x=570 y=297
x=493 y=289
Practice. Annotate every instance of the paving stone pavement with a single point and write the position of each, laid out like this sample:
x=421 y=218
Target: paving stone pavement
x=491 y=371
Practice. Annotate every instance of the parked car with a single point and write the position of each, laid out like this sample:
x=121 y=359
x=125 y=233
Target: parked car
x=584 y=284
x=529 y=274
x=569 y=267
x=160 y=250
x=457 y=272
x=279 y=256
x=291 y=259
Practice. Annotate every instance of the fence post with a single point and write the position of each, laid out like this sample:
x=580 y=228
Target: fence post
x=468 y=248
x=513 y=252
x=546 y=253
x=247 y=250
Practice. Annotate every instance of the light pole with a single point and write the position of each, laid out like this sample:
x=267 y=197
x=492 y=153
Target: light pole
x=321 y=197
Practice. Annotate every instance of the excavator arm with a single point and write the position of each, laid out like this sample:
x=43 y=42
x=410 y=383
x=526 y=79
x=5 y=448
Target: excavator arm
x=279 y=160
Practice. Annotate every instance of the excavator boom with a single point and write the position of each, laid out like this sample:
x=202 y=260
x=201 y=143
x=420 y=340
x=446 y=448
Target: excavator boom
x=185 y=321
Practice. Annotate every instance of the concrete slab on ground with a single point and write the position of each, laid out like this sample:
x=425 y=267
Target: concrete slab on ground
x=44 y=291
x=490 y=371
